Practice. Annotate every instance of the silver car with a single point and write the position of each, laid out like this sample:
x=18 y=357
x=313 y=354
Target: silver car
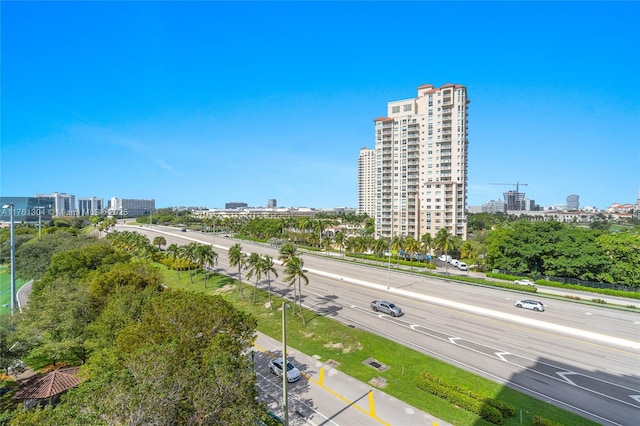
x=524 y=282
x=530 y=304
x=293 y=374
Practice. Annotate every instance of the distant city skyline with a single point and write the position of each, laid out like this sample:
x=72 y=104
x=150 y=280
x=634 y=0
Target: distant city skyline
x=203 y=103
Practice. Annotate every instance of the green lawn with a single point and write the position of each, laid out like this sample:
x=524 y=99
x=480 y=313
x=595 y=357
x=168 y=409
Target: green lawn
x=5 y=289
x=330 y=339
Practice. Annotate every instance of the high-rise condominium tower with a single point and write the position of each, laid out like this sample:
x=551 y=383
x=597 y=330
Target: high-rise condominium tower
x=421 y=164
x=367 y=182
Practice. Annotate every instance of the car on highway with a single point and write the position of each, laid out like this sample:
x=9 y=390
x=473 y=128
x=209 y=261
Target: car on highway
x=293 y=374
x=524 y=282
x=183 y=230
x=530 y=304
x=386 y=307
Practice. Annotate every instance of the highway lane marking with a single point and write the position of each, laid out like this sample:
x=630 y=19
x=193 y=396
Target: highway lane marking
x=487 y=312
x=485 y=373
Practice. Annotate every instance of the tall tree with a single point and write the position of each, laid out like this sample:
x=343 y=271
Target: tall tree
x=268 y=268
x=411 y=247
x=294 y=273
x=254 y=268
x=183 y=361
x=238 y=258
x=286 y=252
x=397 y=245
x=426 y=244
x=444 y=241
x=339 y=239
x=159 y=241
x=206 y=258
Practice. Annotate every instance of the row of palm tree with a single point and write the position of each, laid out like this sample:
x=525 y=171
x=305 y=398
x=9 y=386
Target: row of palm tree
x=406 y=245
x=258 y=266
x=194 y=255
x=294 y=273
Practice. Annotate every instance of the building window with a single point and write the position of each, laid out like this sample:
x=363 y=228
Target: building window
x=395 y=109
x=407 y=107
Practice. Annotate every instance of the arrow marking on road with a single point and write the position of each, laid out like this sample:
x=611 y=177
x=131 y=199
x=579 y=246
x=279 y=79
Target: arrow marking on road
x=501 y=355
x=564 y=375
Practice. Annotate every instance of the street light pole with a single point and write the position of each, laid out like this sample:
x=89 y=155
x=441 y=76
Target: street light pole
x=389 y=268
x=285 y=406
x=11 y=206
x=39 y=221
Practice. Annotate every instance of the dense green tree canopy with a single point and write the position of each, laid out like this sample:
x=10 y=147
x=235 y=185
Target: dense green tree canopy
x=561 y=250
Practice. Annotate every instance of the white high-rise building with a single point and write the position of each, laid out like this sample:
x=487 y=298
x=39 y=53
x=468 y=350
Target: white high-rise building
x=63 y=204
x=367 y=182
x=90 y=206
x=421 y=164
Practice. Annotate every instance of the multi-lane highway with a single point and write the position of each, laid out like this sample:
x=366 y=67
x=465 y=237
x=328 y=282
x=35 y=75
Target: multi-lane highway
x=583 y=358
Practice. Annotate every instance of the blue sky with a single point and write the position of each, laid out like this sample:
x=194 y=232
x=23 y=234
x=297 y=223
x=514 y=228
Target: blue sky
x=203 y=103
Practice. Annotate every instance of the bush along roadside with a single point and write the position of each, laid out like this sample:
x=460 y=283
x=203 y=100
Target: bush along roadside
x=491 y=410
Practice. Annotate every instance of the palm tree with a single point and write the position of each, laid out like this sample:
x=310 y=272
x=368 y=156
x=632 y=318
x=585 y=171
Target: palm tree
x=159 y=241
x=327 y=245
x=287 y=251
x=294 y=271
x=190 y=254
x=445 y=242
x=468 y=251
x=411 y=246
x=174 y=251
x=318 y=227
x=339 y=239
x=254 y=268
x=205 y=257
x=239 y=259
x=268 y=268
x=379 y=246
x=426 y=243
x=397 y=244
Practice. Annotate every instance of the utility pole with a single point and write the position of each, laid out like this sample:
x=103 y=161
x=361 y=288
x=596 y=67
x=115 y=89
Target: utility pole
x=285 y=406
x=11 y=208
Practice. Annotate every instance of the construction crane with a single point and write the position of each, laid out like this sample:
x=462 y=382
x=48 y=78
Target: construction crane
x=517 y=185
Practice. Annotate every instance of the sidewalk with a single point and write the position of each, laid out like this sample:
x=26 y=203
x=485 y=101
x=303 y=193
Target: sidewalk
x=330 y=397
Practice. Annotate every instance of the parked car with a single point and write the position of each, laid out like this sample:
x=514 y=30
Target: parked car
x=530 y=304
x=524 y=282
x=293 y=374
x=183 y=230
x=445 y=258
x=462 y=266
x=454 y=262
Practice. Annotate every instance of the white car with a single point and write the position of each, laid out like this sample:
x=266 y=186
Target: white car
x=463 y=266
x=293 y=374
x=530 y=304
x=524 y=282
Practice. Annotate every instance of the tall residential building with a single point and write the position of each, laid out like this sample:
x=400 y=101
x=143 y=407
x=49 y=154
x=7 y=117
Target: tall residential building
x=421 y=164
x=367 y=182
